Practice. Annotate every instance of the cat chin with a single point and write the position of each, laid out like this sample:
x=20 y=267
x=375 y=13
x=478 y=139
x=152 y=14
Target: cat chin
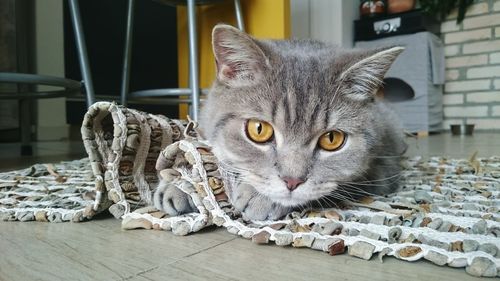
x=283 y=197
x=289 y=202
x=292 y=200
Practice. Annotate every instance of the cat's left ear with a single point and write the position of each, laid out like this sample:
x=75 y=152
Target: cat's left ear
x=362 y=80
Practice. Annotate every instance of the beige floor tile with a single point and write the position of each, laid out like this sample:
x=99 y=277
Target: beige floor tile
x=240 y=259
x=95 y=250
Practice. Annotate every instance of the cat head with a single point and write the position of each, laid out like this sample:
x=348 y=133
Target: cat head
x=293 y=118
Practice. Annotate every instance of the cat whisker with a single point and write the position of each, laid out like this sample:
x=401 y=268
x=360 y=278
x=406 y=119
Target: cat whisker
x=345 y=195
x=352 y=189
x=337 y=196
x=384 y=156
x=233 y=170
x=396 y=176
x=368 y=184
x=329 y=202
x=319 y=202
x=352 y=192
x=336 y=193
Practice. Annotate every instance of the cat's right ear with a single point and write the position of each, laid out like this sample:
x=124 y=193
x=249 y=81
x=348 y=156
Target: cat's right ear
x=240 y=61
x=362 y=80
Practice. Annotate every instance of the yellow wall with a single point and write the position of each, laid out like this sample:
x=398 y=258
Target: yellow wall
x=263 y=19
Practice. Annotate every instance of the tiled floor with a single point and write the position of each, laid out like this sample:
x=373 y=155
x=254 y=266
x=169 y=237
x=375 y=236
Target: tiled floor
x=43 y=152
x=99 y=250
x=486 y=144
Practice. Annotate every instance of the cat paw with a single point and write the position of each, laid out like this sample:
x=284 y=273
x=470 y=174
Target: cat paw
x=173 y=201
x=263 y=209
x=254 y=206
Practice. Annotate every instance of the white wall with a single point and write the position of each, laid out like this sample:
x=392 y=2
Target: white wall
x=325 y=20
x=49 y=53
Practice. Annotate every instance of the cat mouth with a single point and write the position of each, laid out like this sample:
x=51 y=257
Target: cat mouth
x=290 y=199
x=297 y=198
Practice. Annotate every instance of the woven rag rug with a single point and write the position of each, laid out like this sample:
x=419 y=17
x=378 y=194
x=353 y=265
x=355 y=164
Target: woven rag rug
x=447 y=210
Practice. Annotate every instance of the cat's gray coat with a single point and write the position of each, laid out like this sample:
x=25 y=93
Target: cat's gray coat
x=304 y=89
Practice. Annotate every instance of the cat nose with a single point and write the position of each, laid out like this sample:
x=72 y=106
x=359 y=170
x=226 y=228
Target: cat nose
x=292 y=183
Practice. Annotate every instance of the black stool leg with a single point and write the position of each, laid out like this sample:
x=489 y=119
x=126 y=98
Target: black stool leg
x=127 y=53
x=25 y=127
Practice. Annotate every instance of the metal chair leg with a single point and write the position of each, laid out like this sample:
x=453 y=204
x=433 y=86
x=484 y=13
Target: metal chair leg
x=239 y=15
x=82 y=51
x=193 y=59
x=127 y=55
x=25 y=127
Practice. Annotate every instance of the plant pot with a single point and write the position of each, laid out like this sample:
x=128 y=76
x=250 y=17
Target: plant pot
x=400 y=6
x=372 y=8
x=456 y=129
x=469 y=129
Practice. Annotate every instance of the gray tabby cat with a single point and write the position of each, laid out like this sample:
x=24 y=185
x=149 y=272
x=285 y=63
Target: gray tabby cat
x=296 y=124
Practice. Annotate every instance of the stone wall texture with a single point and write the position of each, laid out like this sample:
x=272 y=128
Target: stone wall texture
x=472 y=48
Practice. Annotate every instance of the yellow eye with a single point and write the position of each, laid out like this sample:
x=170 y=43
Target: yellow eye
x=259 y=131
x=332 y=140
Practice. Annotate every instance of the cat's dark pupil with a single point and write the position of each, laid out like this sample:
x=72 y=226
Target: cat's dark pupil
x=259 y=128
x=331 y=136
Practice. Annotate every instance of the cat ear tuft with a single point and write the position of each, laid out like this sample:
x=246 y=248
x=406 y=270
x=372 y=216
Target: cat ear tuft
x=362 y=80
x=240 y=61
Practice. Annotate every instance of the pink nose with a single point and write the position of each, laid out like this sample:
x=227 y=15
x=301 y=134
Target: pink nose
x=292 y=183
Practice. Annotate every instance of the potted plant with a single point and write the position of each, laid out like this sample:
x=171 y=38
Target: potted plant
x=441 y=8
x=400 y=6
